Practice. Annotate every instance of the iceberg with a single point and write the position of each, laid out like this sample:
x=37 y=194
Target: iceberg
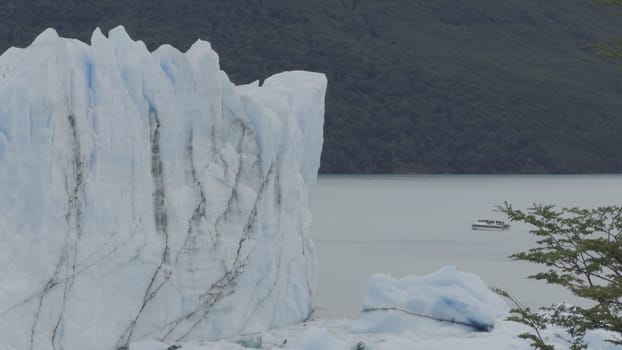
x=447 y=300
x=148 y=198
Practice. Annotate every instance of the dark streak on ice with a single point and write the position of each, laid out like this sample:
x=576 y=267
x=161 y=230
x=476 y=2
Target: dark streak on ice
x=73 y=217
x=69 y=254
x=226 y=284
x=234 y=195
x=199 y=212
x=476 y=326
x=159 y=278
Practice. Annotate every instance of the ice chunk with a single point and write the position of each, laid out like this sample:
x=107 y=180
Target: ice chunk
x=447 y=300
x=146 y=197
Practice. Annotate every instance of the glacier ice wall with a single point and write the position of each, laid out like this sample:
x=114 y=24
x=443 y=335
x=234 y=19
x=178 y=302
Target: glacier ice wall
x=145 y=196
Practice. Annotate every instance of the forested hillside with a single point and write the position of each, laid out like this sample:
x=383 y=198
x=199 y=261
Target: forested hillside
x=452 y=86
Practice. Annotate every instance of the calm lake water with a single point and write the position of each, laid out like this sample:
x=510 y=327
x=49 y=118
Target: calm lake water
x=403 y=225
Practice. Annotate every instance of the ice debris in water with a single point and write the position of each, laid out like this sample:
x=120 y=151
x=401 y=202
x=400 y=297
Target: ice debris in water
x=412 y=313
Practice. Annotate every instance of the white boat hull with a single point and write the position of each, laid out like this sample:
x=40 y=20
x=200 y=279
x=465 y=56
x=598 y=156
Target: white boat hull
x=490 y=225
x=490 y=228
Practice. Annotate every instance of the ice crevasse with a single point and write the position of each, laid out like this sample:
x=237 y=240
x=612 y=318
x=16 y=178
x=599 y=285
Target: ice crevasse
x=145 y=196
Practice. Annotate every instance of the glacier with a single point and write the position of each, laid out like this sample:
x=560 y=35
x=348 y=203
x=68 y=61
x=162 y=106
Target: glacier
x=148 y=198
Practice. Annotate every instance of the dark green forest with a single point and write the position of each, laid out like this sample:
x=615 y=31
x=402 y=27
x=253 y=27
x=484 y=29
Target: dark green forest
x=452 y=86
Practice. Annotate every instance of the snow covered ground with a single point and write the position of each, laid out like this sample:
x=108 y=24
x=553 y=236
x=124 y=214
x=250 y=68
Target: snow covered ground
x=337 y=335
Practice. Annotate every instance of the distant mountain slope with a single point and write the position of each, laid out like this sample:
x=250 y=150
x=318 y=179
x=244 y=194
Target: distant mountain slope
x=454 y=86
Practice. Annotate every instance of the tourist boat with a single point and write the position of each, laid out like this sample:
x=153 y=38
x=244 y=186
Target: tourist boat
x=490 y=225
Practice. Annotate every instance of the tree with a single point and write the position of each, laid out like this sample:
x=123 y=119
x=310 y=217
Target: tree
x=613 y=48
x=609 y=2
x=582 y=249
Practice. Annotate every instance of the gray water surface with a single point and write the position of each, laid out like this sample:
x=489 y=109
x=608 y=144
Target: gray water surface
x=403 y=225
